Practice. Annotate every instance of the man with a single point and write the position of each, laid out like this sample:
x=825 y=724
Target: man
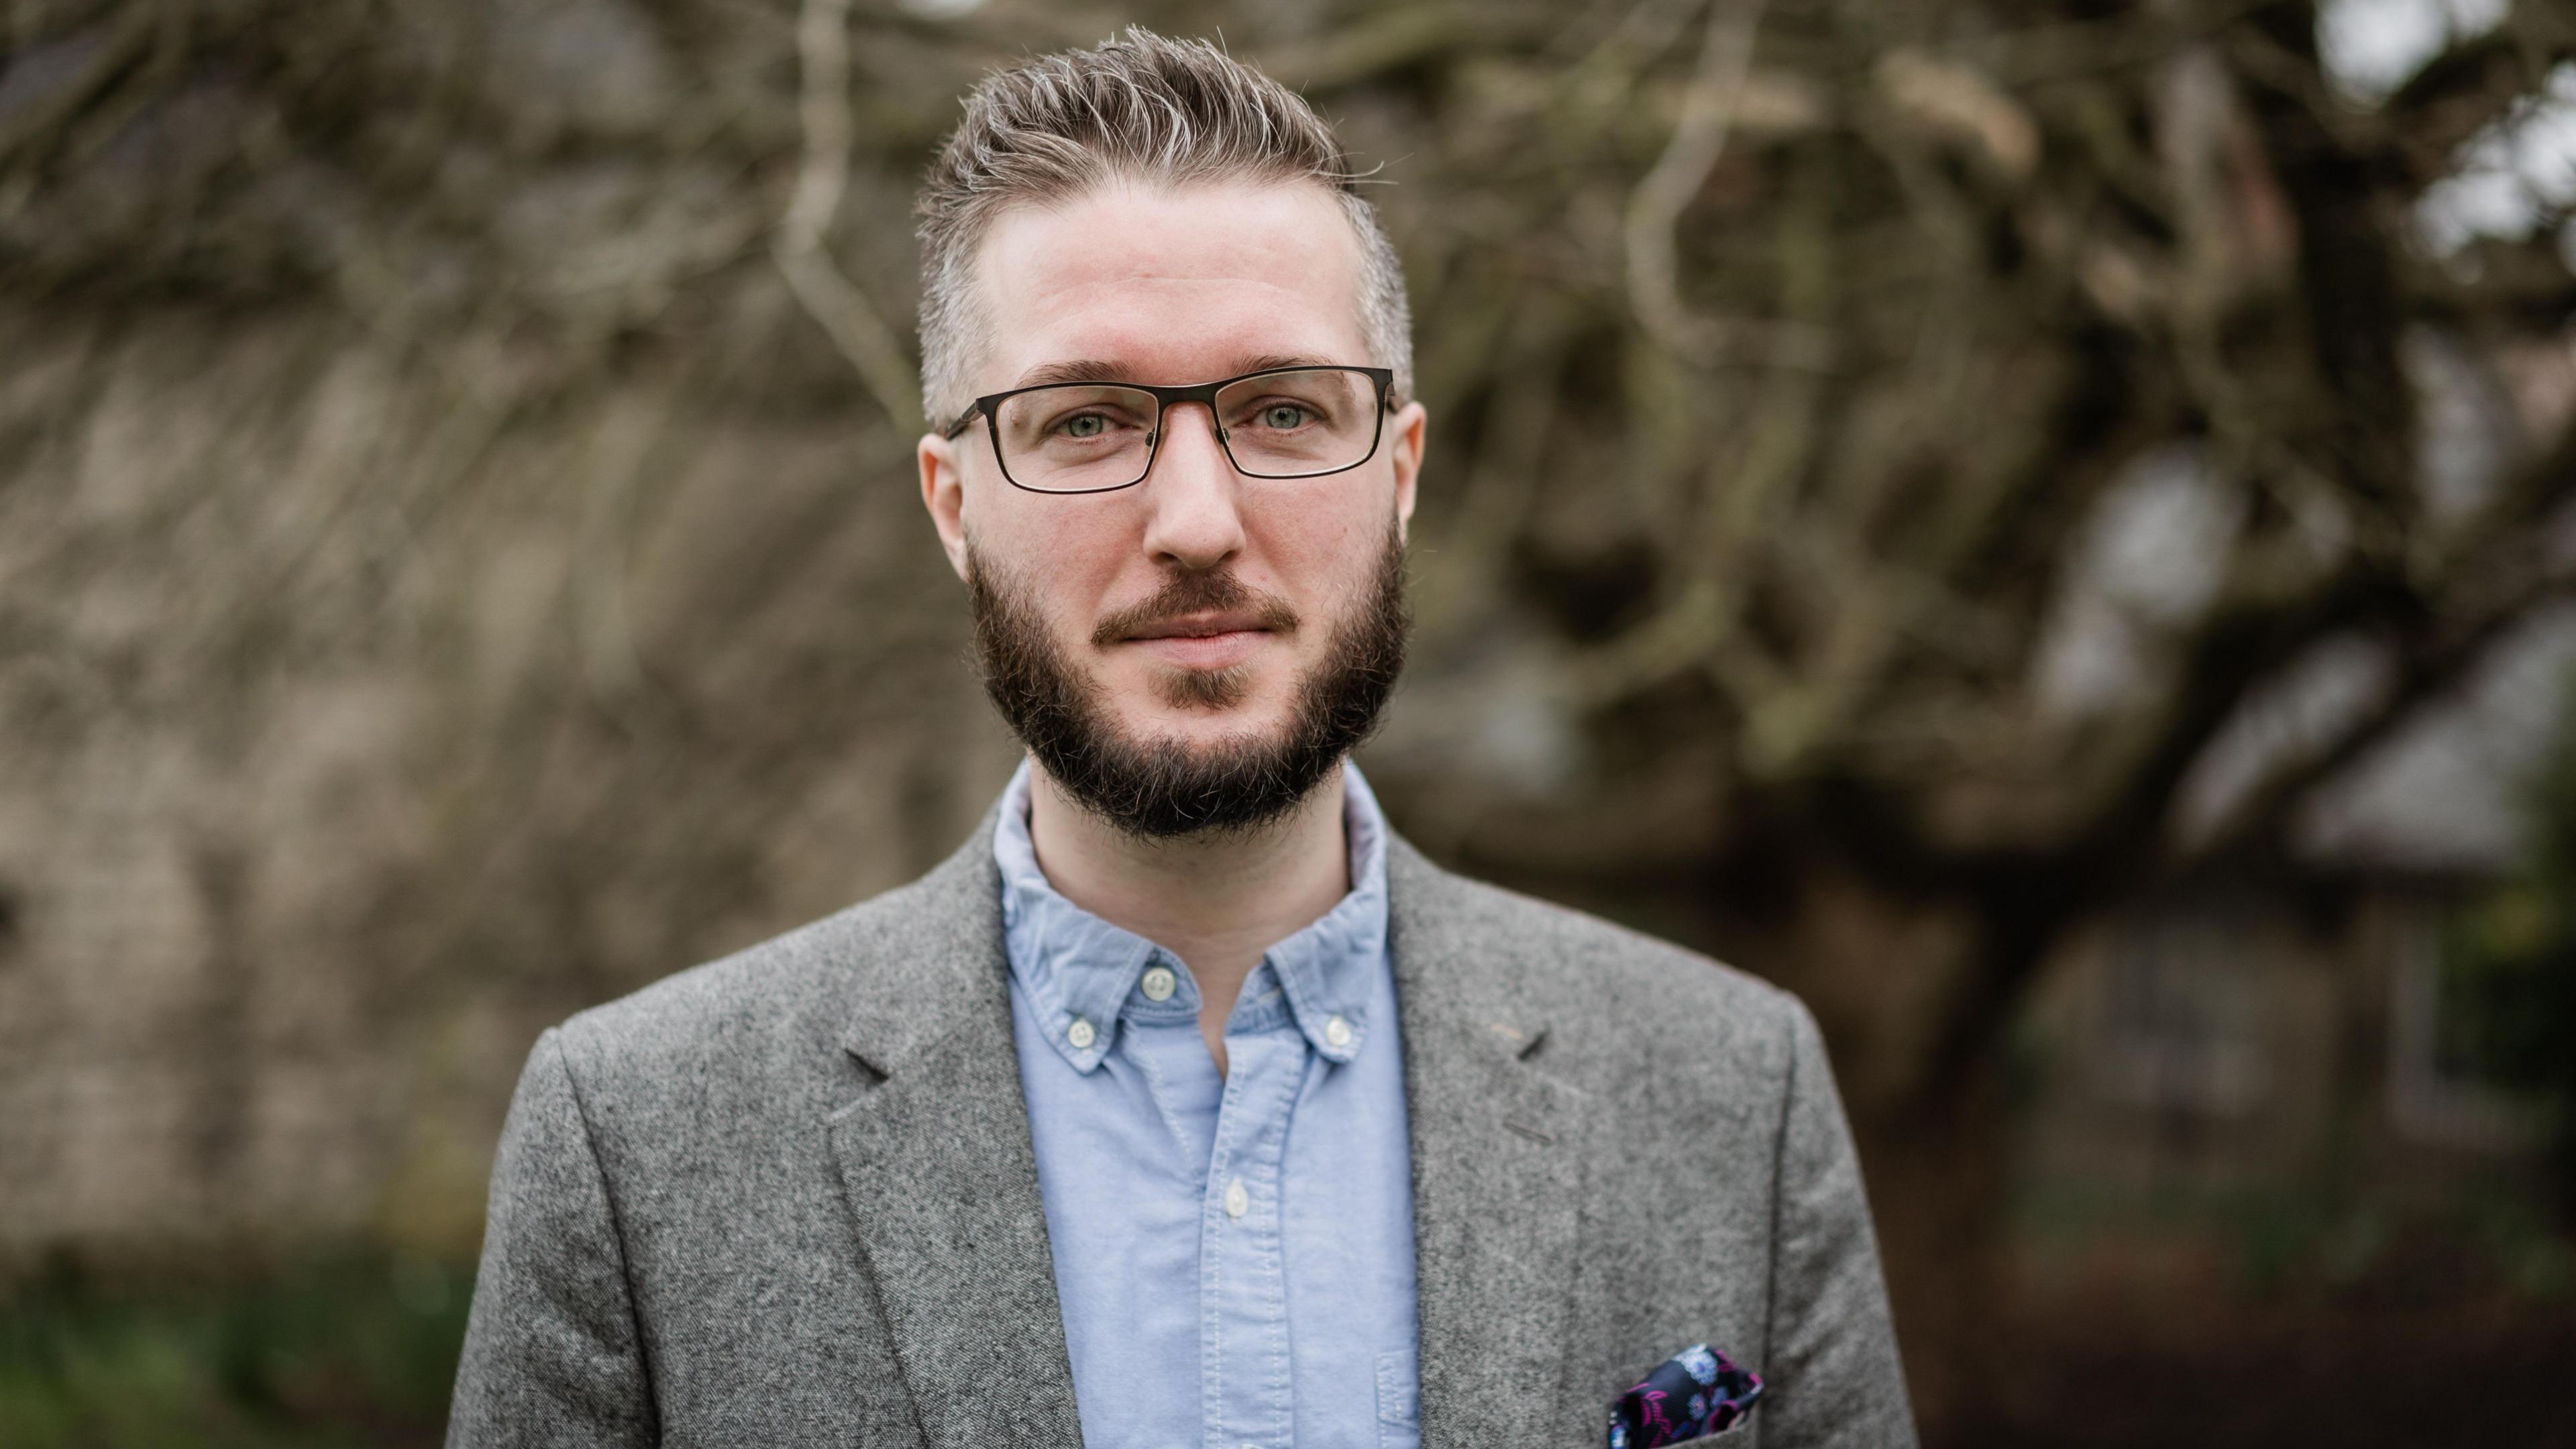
x=1186 y=1103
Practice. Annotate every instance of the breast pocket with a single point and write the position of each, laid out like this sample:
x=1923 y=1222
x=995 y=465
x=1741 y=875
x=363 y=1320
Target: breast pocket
x=1399 y=1400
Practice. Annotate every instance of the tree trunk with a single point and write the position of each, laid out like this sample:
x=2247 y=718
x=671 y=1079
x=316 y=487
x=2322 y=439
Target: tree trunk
x=1939 y=1177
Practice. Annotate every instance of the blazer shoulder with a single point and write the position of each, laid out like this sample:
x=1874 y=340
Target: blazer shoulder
x=1616 y=993
x=774 y=1008
x=1597 y=952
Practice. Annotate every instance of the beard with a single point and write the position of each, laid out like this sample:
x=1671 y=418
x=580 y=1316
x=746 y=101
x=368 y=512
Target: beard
x=1161 y=788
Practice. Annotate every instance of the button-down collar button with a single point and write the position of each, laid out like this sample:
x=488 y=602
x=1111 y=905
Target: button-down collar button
x=1337 y=1032
x=1159 y=983
x=1081 y=1035
x=1237 y=1201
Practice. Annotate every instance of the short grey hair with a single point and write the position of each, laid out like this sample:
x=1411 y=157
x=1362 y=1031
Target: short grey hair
x=1142 y=107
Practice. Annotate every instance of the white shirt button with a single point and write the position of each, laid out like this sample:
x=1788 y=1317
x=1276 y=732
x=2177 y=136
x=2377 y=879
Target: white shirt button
x=1160 y=983
x=1237 y=1201
x=1338 y=1032
x=1081 y=1035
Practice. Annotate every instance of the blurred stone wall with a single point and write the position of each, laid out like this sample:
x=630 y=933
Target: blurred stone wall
x=358 y=729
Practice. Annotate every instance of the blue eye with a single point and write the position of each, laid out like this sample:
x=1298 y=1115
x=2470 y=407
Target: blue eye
x=1085 y=425
x=1283 y=416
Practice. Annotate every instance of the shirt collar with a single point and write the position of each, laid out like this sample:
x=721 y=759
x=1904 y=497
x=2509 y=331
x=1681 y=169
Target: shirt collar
x=1074 y=966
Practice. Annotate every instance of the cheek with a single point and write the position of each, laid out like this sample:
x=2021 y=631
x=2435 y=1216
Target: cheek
x=1065 y=555
x=1332 y=546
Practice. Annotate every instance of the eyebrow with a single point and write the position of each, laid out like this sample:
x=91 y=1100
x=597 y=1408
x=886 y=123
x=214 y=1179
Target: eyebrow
x=1095 y=370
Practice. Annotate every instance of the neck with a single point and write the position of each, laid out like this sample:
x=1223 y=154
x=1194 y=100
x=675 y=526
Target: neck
x=1217 y=903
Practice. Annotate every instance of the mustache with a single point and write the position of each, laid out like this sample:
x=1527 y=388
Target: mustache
x=1196 y=593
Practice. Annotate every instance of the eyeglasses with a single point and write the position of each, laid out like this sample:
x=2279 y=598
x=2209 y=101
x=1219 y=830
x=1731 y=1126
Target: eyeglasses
x=1092 y=437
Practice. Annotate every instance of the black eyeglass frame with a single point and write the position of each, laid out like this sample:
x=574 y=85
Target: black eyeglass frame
x=989 y=408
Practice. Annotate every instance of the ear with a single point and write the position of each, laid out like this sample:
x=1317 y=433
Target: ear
x=1408 y=431
x=943 y=492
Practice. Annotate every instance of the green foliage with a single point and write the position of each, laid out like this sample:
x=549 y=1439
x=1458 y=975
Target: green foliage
x=352 y=1346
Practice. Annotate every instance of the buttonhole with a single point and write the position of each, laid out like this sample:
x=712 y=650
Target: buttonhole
x=1526 y=1130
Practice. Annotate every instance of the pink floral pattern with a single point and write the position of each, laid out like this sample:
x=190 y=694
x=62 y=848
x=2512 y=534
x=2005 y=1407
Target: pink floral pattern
x=1694 y=1393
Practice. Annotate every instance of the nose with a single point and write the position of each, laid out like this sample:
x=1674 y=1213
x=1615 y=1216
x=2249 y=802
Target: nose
x=1194 y=519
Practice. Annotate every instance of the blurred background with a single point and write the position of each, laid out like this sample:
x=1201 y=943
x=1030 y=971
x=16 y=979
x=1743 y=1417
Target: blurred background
x=2043 y=527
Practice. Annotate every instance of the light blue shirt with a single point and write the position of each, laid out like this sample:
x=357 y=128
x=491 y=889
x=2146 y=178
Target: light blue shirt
x=1234 y=1254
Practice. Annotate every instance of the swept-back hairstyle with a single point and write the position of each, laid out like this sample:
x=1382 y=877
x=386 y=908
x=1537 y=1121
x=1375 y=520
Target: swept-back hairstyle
x=1139 y=107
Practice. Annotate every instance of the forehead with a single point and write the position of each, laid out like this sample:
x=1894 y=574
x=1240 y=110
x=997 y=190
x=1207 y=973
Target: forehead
x=1170 y=284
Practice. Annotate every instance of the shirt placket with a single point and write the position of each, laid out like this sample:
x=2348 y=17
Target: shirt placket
x=1244 y=1356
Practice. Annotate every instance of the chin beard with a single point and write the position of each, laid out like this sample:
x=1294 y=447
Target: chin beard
x=1163 y=788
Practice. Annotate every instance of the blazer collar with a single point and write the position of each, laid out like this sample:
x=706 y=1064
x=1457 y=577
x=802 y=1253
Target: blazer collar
x=941 y=1176
x=929 y=972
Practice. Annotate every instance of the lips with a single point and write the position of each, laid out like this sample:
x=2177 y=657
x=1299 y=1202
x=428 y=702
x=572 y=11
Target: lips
x=1202 y=626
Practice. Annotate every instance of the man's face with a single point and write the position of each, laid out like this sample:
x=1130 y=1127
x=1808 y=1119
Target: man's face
x=1200 y=616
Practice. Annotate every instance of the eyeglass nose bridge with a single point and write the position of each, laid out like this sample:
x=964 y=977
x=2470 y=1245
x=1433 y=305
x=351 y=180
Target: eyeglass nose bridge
x=1163 y=405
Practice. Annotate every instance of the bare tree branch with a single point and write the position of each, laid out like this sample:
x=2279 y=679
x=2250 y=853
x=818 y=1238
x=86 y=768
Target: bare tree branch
x=1657 y=203
x=823 y=52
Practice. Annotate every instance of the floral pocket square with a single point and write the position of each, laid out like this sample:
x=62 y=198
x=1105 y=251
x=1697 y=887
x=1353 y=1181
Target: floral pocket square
x=1694 y=1393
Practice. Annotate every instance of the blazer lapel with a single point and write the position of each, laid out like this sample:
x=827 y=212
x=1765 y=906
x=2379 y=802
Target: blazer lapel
x=941 y=1179
x=1498 y=1166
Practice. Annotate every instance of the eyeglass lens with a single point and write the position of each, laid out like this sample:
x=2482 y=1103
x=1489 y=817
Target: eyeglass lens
x=1101 y=435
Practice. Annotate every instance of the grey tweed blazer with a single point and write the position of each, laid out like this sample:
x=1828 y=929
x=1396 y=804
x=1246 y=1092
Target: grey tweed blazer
x=789 y=1197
